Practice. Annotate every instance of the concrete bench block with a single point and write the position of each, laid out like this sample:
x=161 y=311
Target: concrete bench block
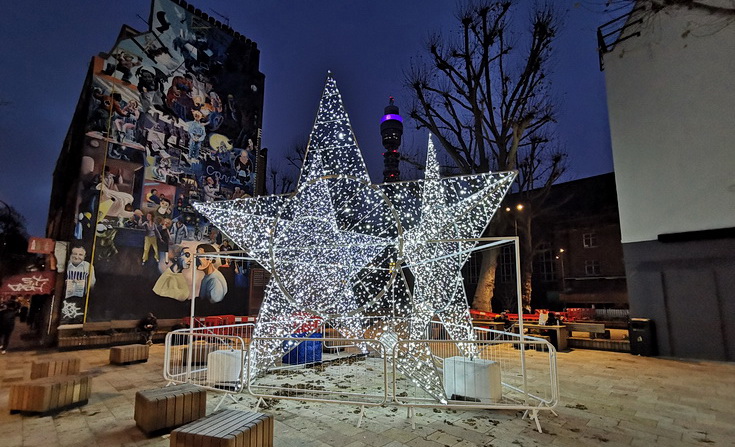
x=169 y=407
x=54 y=367
x=226 y=428
x=122 y=355
x=49 y=394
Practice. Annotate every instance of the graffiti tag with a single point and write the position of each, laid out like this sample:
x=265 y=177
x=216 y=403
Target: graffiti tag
x=32 y=284
x=220 y=177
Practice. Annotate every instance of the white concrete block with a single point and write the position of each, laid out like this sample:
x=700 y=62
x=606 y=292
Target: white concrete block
x=473 y=379
x=223 y=367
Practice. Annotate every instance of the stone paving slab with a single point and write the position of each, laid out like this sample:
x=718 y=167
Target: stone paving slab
x=607 y=398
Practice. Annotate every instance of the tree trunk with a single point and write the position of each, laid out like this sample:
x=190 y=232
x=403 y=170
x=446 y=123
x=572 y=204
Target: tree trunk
x=527 y=252
x=526 y=291
x=483 y=299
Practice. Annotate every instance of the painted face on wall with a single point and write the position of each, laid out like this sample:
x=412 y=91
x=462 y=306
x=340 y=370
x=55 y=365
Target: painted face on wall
x=77 y=256
x=185 y=258
x=203 y=263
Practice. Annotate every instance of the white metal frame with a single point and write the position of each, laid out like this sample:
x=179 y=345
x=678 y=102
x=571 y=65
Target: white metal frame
x=240 y=335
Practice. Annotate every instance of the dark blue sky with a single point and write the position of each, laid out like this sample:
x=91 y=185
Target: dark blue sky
x=46 y=46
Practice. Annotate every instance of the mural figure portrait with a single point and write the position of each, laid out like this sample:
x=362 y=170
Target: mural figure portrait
x=214 y=285
x=197 y=134
x=79 y=276
x=244 y=167
x=164 y=209
x=211 y=189
x=78 y=273
x=152 y=235
x=179 y=232
x=172 y=282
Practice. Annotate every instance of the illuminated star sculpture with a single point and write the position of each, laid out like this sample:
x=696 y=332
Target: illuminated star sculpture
x=339 y=249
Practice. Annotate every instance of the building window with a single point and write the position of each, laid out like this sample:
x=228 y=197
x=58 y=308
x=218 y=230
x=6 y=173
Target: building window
x=544 y=263
x=589 y=240
x=473 y=267
x=507 y=264
x=592 y=268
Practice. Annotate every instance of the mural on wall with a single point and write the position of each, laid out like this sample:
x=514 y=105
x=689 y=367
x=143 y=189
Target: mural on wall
x=174 y=117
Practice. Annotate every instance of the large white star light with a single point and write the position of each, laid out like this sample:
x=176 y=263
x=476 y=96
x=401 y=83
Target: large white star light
x=339 y=248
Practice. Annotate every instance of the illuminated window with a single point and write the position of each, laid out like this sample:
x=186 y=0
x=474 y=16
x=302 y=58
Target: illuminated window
x=589 y=240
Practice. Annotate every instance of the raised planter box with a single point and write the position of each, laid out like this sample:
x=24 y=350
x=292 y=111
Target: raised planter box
x=54 y=367
x=123 y=355
x=170 y=407
x=226 y=428
x=49 y=394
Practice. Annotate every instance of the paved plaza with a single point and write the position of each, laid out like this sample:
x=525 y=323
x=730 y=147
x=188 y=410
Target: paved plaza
x=607 y=398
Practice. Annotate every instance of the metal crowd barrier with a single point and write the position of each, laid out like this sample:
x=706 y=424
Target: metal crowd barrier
x=489 y=370
x=211 y=357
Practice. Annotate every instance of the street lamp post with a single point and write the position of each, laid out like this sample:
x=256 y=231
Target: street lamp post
x=519 y=207
x=560 y=257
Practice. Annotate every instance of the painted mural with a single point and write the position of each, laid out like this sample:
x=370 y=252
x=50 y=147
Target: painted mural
x=174 y=117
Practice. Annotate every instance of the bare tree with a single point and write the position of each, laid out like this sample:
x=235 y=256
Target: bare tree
x=484 y=95
x=14 y=257
x=281 y=181
x=282 y=178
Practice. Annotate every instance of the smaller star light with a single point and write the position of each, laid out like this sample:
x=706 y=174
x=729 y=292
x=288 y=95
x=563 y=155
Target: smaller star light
x=339 y=248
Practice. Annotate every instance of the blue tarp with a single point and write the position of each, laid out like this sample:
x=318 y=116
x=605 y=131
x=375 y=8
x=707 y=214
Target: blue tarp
x=303 y=352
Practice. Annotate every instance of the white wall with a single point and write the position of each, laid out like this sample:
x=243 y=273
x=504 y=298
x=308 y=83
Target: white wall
x=671 y=102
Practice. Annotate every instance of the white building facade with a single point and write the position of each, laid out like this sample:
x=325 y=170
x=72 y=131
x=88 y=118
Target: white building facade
x=671 y=100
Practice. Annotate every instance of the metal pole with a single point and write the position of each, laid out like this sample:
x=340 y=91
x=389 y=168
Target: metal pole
x=190 y=350
x=519 y=300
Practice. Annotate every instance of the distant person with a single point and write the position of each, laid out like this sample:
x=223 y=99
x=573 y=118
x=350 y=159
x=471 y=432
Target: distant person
x=148 y=326
x=552 y=321
x=8 y=312
x=503 y=317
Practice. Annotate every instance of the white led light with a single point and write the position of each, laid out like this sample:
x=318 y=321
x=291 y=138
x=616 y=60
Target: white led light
x=338 y=246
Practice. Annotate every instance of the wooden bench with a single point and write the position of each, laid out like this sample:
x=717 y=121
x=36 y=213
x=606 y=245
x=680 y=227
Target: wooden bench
x=50 y=394
x=226 y=428
x=593 y=329
x=166 y=408
x=54 y=367
x=124 y=355
x=164 y=327
x=97 y=326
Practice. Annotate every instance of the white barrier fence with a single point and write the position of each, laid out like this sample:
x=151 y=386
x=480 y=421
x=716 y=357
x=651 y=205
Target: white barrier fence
x=496 y=370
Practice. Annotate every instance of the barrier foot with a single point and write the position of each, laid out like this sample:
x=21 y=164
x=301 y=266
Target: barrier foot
x=257 y=405
x=410 y=412
x=222 y=399
x=534 y=416
x=362 y=413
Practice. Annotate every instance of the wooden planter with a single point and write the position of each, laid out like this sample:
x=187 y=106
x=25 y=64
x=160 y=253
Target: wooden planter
x=226 y=428
x=123 y=355
x=54 y=367
x=166 y=408
x=49 y=394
